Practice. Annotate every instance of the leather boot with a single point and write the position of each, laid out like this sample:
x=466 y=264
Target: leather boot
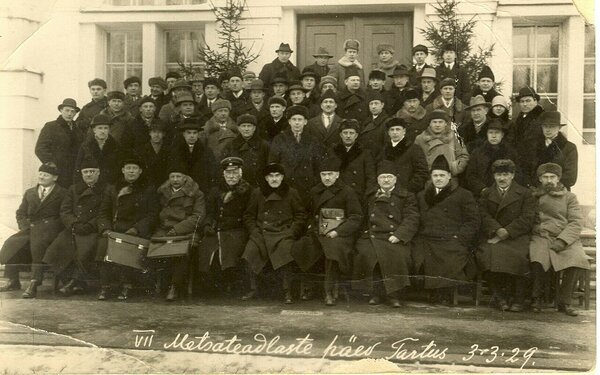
x=103 y=293
x=31 y=290
x=251 y=294
x=67 y=290
x=329 y=300
x=288 y=297
x=172 y=294
x=11 y=284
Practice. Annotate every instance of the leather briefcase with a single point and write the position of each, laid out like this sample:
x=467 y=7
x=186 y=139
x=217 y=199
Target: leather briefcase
x=166 y=247
x=126 y=250
x=329 y=219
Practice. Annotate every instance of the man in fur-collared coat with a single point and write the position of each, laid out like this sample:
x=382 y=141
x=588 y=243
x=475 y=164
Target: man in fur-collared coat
x=413 y=114
x=555 y=241
x=383 y=258
x=275 y=220
x=220 y=129
x=449 y=223
x=39 y=224
x=507 y=214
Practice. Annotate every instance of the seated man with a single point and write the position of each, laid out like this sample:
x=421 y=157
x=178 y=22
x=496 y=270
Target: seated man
x=275 y=219
x=39 y=224
x=73 y=251
x=383 y=256
x=182 y=210
x=555 y=241
x=221 y=248
x=130 y=207
x=449 y=224
x=507 y=213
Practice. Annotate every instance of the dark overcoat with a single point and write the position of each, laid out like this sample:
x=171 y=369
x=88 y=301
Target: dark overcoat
x=340 y=248
x=479 y=170
x=328 y=136
x=394 y=99
x=59 y=144
x=373 y=134
x=82 y=206
x=416 y=122
x=88 y=111
x=275 y=219
x=488 y=96
x=527 y=133
x=225 y=207
x=414 y=73
x=108 y=159
x=470 y=136
x=357 y=168
x=254 y=152
x=239 y=105
x=39 y=224
x=121 y=128
x=461 y=78
x=396 y=215
x=183 y=210
x=261 y=114
x=353 y=105
x=156 y=163
x=322 y=71
x=411 y=166
x=449 y=224
x=268 y=128
x=200 y=163
x=514 y=212
x=561 y=152
x=276 y=67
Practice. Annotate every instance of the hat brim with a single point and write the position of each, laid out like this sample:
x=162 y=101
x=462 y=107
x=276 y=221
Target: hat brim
x=485 y=104
x=535 y=96
x=284 y=50
x=404 y=73
x=323 y=55
x=422 y=77
x=61 y=106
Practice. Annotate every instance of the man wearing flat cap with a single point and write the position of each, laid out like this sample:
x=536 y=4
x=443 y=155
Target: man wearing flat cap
x=413 y=114
x=122 y=121
x=426 y=86
x=555 y=241
x=449 y=103
x=276 y=122
x=59 y=142
x=97 y=88
x=325 y=126
x=474 y=128
x=281 y=65
x=39 y=224
x=349 y=63
x=275 y=219
x=386 y=63
x=220 y=129
x=220 y=250
x=507 y=215
x=72 y=253
x=102 y=148
x=373 y=132
x=155 y=152
x=419 y=55
x=383 y=259
x=449 y=225
x=555 y=148
x=450 y=68
x=486 y=82
x=158 y=86
x=133 y=93
x=250 y=148
x=320 y=66
x=299 y=152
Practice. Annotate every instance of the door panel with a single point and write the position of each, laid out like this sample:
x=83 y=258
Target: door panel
x=321 y=32
x=378 y=30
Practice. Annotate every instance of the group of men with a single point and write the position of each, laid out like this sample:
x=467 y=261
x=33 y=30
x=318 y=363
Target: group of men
x=411 y=177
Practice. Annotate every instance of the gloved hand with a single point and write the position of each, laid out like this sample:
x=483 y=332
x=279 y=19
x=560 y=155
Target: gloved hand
x=558 y=245
x=132 y=231
x=502 y=233
x=209 y=230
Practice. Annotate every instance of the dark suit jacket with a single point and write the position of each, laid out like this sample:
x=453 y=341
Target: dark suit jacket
x=331 y=136
x=461 y=77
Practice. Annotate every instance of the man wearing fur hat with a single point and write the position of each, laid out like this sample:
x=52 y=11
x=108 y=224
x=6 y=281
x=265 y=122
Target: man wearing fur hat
x=225 y=237
x=383 y=259
x=486 y=83
x=212 y=92
x=328 y=83
x=507 y=215
x=450 y=68
x=325 y=125
x=133 y=91
x=73 y=251
x=348 y=63
x=413 y=114
x=419 y=54
x=281 y=65
x=39 y=224
x=310 y=80
x=220 y=129
x=555 y=241
x=275 y=219
x=122 y=121
x=449 y=224
x=97 y=88
x=320 y=65
x=373 y=132
x=59 y=142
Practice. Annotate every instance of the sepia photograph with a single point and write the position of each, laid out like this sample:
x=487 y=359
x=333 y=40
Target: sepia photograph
x=297 y=186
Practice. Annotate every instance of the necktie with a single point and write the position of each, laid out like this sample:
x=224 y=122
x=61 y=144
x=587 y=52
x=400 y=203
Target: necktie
x=297 y=135
x=447 y=66
x=43 y=194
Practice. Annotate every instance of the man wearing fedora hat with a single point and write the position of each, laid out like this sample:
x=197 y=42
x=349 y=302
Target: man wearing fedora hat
x=122 y=121
x=339 y=70
x=324 y=125
x=486 y=82
x=296 y=95
x=320 y=66
x=97 y=87
x=155 y=152
x=413 y=114
x=310 y=81
x=157 y=93
x=527 y=130
x=281 y=64
x=555 y=148
x=178 y=88
x=352 y=97
x=257 y=105
x=386 y=63
x=59 y=142
x=394 y=97
x=426 y=85
x=133 y=90
x=419 y=55
x=450 y=68
x=474 y=129
x=39 y=223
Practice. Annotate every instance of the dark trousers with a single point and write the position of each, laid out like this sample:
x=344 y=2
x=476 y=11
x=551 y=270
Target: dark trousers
x=174 y=269
x=567 y=284
x=332 y=275
x=378 y=287
x=112 y=272
x=20 y=262
x=507 y=286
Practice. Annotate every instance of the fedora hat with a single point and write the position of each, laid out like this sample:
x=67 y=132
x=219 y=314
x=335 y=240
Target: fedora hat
x=68 y=102
x=400 y=70
x=551 y=118
x=257 y=84
x=428 y=73
x=527 y=91
x=478 y=101
x=284 y=47
x=322 y=52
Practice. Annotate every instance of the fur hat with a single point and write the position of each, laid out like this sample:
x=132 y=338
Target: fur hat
x=328 y=94
x=212 y=81
x=438 y=114
x=296 y=110
x=220 y=103
x=273 y=168
x=377 y=74
x=147 y=99
x=172 y=75
x=420 y=47
x=158 y=81
x=184 y=98
x=190 y=124
x=550 y=168
x=386 y=167
x=503 y=165
x=177 y=167
x=395 y=121
x=411 y=94
x=50 y=168
x=449 y=81
x=330 y=164
x=328 y=79
x=131 y=80
x=351 y=44
x=277 y=100
x=101 y=119
x=89 y=163
x=349 y=124
x=115 y=95
x=527 y=91
x=385 y=47
x=246 y=119
x=97 y=82
x=440 y=163
x=375 y=95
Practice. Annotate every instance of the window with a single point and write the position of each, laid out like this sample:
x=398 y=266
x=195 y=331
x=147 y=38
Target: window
x=124 y=57
x=535 y=62
x=182 y=46
x=589 y=82
x=153 y=2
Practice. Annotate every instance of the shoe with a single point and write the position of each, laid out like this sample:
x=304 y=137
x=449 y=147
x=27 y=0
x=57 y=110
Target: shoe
x=250 y=295
x=395 y=303
x=124 y=293
x=567 y=309
x=516 y=307
x=375 y=300
x=13 y=284
x=502 y=304
x=103 y=293
x=172 y=294
x=31 y=290
x=536 y=306
x=288 y=298
x=67 y=290
x=79 y=287
x=307 y=295
x=329 y=301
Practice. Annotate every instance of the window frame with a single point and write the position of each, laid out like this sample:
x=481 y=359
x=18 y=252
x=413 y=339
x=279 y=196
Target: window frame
x=589 y=96
x=173 y=66
x=126 y=64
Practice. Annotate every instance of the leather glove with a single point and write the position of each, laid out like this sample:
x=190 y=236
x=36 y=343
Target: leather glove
x=132 y=231
x=209 y=230
x=558 y=245
x=502 y=233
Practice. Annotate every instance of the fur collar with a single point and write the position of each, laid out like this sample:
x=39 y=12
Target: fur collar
x=253 y=141
x=81 y=186
x=535 y=112
x=267 y=190
x=389 y=65
x=445 y=137
x=138 y=184
x=558 y=191
x=212 y=126
x=431 y=198
x=411 y=117
x=346 y=156
x=347 y=63
x=188 y=188
x=392 y=152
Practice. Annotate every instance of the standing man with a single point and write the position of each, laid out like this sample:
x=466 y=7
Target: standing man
x=383 y=256
x=133 y=90
x=97 y=88
x=212 y=92
x=143 y=120
x=59 y=142
x=386 y=63
x=376 y=81
x=320 y=66
x=310 y=81
x=419 y=53
x=348 y=63
x=427 y=86
x=449 y=103
x=220 y=129
x=486 y=84
x=413 y=114
x=450 y=68
x=177 y=89
x=157 y=92
x=257 y=105
x=474 y=129
x=248 y=77
x=237 y=96
x=352 y=98
x=325 y=126
x=122 y=121
x=555 y=241
x=197 y=82
x=171 y=78
x=281 y=65
x=155 y=153
x=39 y=224
x=276 y=122
x=394 y=97
x=373 y=134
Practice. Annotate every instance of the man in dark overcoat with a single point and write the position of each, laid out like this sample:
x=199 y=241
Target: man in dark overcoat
x=281 y=65
x=373 y=132
x=276 y=122
x=507 y=214
x=73 y=251
x=122 y=121
x=275 y=219
x=450 y=68
x=97 y=88
x=473 y=130
x=320 y=66
x=131 y=207
x=257 y=105
x=394 y=97
x=409 y=159
x=237 y=96
x=335 y=220
x=352 y=99
x=212 y=92
x=39 y=224
x=325 y=126
x=556 y=238
x=155 y=153
x=486 y=84
x=449 y=223
x=419 y=55
x=142 y=121
x=221 y=248
x=250 y=147
x=59 y=142
x=413 y=114
x=158 y=85
x=133 y=91
x=383 y=258
x=357 y=167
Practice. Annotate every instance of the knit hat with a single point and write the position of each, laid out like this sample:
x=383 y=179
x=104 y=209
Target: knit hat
x=273 y=168
x=158 y=81
x=440 y=163
x=385 y=47
x=246 y=119
x=115 y=95
x=349 y=124
x=439 y=114
x=296 y=110
x=486 y=72
x=550 y=168
x=377 y=74
x=97 y=82
x=49 y=167
x=220 y=103
x=131 y=80
x=395 y=121
x=503 y=165
x=277 y=100
x=386 y=167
